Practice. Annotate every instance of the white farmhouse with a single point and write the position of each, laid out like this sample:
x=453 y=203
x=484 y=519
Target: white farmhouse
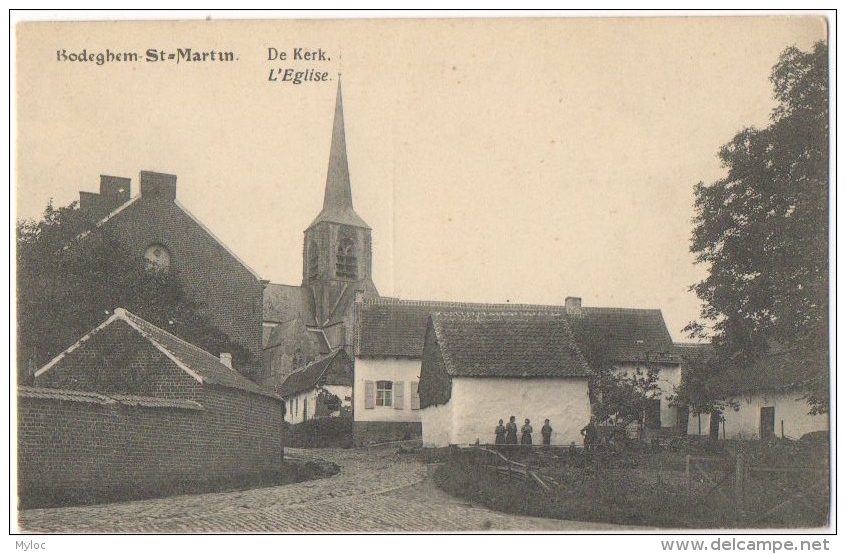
x=769 y=402
x=632 y=340
x=480 y=367
x=320 y=389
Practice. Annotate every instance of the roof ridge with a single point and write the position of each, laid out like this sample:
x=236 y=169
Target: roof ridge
x=443 y=347
x=217 y=240
x=543 y=314
x=392 y=301
x=131 y=318
x=111 y=319
x=612 y=309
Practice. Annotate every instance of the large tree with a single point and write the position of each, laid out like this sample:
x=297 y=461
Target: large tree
x=71 y=277
x=762 y=231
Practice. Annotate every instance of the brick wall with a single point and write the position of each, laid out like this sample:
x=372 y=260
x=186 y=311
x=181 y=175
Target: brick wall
x=231 y=293
x=66 y=446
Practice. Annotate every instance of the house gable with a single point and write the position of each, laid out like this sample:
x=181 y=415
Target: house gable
x=211 y=273
x=118 y=360
x=435 y=386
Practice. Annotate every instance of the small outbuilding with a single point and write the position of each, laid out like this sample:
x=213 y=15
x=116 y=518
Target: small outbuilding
x=130 y=405
x=321 y=389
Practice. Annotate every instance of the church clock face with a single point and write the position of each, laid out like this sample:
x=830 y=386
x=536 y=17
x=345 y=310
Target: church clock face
x=156 y=258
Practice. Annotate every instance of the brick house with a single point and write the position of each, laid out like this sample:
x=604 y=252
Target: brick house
x=155 y=226
x=479 y=367
x=130 y=405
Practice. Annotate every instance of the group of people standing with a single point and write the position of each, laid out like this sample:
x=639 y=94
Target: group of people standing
x=507 y=433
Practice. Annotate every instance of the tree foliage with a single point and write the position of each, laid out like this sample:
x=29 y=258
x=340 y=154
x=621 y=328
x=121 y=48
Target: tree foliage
x=617 y=396
x=762 y=231
x=71 y=277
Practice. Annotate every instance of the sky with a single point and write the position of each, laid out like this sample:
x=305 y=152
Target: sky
x=496 y=160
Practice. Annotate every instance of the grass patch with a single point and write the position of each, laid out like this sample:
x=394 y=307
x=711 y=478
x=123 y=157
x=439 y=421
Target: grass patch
x=649 y=487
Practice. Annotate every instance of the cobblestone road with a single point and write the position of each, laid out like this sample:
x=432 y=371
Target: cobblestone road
x=377 y=489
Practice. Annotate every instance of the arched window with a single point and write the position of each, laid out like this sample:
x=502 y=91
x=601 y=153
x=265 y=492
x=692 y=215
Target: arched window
x=312 y=261
x=346 y=264
x=156 y=258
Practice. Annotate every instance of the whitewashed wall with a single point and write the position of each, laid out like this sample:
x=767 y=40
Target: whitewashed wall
x=477 y=404
x=298 y=415
x=437 y=425
x=669 y=378
x=388 y=369
x=746 y=422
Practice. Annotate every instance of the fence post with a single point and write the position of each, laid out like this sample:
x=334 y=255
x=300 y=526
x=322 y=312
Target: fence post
x=739 y=474
x=687 y=470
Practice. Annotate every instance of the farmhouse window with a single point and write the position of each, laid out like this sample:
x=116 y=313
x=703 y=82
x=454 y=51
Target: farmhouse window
x=384 y=393
x=305 y=408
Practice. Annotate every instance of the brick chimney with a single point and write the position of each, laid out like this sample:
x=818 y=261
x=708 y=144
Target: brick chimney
x=114 y=191
x=572 y=304
x=226 y=359
x=158 y=185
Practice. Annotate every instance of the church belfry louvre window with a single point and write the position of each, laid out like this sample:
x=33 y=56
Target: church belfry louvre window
x=312 y=260
x=156 y=258
x=346 y=264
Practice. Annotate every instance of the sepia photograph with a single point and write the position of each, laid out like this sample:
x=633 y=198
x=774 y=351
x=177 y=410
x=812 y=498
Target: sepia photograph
x=496 y=275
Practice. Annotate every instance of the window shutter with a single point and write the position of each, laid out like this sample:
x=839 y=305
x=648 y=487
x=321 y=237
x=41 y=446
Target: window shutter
x=415 y=398
x=369 y=395
x=399 y=392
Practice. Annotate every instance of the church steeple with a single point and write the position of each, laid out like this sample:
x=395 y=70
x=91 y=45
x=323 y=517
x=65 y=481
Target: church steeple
x=337 y=199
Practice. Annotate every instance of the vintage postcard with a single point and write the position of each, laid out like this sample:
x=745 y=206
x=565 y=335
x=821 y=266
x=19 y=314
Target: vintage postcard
x=422 y=275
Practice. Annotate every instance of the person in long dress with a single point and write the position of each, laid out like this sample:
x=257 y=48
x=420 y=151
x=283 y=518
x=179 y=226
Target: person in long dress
x=526 y=433
x=511 y=431
x=499 y=432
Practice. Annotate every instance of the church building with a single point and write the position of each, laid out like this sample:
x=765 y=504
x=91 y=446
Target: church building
x=303 y=323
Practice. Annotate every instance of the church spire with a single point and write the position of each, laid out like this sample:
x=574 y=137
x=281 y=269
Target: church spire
x=337 y=200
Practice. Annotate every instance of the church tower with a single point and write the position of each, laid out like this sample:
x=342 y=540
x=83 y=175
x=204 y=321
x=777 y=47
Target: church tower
x=337 y=250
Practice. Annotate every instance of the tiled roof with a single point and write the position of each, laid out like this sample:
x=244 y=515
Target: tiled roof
x=198 y=363
x=624 y=334
x=390 y=327
x=508 y=344
x=207 y=366
x=95 y=398
x=689 y=350
x=308 y=377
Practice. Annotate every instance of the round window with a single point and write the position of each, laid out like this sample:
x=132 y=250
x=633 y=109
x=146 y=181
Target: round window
x=156 y=258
